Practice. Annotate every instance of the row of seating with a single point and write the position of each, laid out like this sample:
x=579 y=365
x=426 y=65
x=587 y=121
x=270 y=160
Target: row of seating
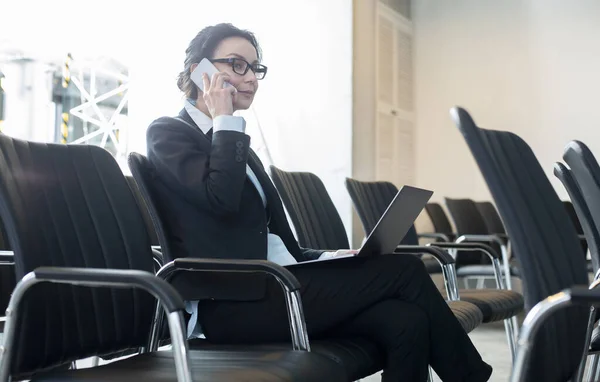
x=74 y=225
x=480 y=221
x=72 y=218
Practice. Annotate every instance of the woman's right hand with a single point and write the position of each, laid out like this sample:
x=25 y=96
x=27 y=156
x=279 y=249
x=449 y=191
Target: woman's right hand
x=219 y=100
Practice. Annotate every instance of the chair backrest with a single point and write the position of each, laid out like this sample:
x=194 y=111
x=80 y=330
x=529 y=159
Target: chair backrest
x=438 y=218
x=570 y=208
x=70 y=206
x=370 y=200
x=543 y=236
x=466 y=217
x=579 y=213
x=586 y=174
x=143 y=173
x=143 y=209
x=490 y=216
x=468 y=220
x=316 y=220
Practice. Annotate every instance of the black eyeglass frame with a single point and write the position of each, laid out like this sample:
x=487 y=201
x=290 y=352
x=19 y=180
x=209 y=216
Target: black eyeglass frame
x=260 y=71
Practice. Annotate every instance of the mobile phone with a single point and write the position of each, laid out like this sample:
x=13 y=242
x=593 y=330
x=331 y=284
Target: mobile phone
x=205 y=66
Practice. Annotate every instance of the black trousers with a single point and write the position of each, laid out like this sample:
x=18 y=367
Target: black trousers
x=389 y=299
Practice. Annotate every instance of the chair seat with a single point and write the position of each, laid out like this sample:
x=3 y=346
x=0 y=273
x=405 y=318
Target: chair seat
x=467 y=314
x=359 y=357
x=482 y=270
x=213 y=365
x=496 y=305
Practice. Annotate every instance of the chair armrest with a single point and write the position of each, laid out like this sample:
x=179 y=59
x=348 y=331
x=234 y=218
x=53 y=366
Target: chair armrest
x=434 y=235
x=579 y=295
x=446 y=261
x=500 y=239
x=286 y=279
x=219 y=265
x=7 y=257
x=489 y=251
x=493 y=255
x=157 y=258
x=166 y=295
x=119 y=278
x=440 y=255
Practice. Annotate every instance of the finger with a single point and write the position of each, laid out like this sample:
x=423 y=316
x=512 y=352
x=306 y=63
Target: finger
x=219 y=81
x=214 y=82
x=205 y=82
x=231 y=89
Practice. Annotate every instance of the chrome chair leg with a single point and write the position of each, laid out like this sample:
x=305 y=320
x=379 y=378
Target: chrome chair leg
x=430 y=375
x=480 y=283
x=515 y=326
x=510 y=337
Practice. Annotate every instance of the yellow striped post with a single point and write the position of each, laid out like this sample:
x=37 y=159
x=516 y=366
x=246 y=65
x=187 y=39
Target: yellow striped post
x=64 y=125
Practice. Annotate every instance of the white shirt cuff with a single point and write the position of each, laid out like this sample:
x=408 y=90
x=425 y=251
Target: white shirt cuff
x=326 y=255
x=229 y=123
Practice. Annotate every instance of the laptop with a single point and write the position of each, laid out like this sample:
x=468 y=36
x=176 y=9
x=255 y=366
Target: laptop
x=393 y=225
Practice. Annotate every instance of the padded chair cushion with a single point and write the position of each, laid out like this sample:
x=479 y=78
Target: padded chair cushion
x=222 y=366
x=359 y=357
x=467 y=314
x=495 y=304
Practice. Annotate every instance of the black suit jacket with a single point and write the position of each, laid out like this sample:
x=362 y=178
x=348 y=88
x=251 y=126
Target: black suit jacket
x=212 y=209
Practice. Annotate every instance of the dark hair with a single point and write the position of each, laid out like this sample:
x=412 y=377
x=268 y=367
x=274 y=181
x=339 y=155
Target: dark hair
x=203 y=46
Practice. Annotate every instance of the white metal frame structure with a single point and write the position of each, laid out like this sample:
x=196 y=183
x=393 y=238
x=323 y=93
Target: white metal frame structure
x=107 y=125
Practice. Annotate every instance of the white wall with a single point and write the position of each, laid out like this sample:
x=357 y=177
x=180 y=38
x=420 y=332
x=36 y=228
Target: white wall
x=304 y=105
x=530 y=67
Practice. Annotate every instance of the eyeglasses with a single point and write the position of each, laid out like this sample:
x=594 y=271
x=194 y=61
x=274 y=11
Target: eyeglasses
x=241 y=66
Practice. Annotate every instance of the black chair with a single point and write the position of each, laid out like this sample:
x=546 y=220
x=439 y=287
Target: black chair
x=441 y=223
x=492 y=220
x=144 y=210
x=586 y=172
x=576 y=223
x=580 y=216
x=371 y=199
x=358 y=357
x=471 y=227
x=71 y=218
x=300 y=190
x=545 y=240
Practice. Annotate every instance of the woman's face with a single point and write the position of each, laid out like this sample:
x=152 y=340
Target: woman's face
x=241 y=50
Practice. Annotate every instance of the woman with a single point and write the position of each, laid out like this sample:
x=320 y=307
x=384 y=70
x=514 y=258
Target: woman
x=221 y=204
